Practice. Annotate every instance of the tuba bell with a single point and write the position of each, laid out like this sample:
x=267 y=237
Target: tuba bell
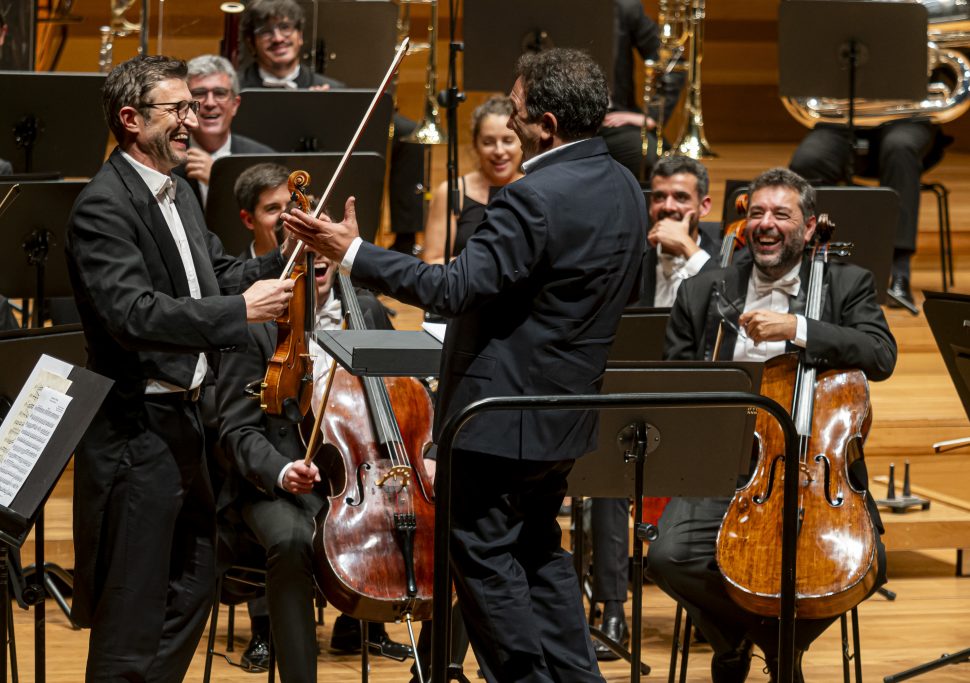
x=948 y=80
x=121 y=27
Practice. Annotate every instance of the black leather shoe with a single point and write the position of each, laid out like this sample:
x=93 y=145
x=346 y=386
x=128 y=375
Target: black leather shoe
x=733 y=666
x=345 y=640
x=256 y=657
x=381 y=644
x=615 y=629
x=900 y=294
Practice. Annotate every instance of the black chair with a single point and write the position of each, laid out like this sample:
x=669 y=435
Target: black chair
x=681 y=645
x=237 y=585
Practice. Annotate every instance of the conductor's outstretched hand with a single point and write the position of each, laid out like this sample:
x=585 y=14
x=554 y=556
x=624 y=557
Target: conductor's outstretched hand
x=324 y=236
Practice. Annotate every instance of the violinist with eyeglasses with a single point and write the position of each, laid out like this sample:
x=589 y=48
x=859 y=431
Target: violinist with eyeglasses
x=762 y=307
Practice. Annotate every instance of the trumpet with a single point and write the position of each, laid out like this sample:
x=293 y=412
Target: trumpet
x=121 y=27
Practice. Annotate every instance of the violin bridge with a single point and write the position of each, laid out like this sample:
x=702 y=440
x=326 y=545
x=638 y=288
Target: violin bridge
x=402 y=473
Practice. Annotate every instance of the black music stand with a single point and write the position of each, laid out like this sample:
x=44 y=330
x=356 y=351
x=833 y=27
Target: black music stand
x=363 y=178
x=640 y=439
x=497 y=32
x=337 y=49
x=310 y=121
x=640 y=335
x=383 y=353
x=863 y=216
x=847 y=49
x=40 y=116
x=26 y=509
x=32 y=238
x=948 y=314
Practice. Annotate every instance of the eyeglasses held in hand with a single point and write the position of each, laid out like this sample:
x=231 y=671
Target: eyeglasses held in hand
x=726 y=309
x=180 y=109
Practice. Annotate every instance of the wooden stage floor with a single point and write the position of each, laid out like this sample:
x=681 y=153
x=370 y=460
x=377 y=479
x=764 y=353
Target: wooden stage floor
x=913 y=409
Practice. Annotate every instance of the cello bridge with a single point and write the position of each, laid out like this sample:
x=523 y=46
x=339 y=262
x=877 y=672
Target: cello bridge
x=402 y=473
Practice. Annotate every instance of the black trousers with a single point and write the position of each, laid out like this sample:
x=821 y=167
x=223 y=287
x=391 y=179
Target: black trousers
x=284 y=527
x=682 y=563
x=517 y=588
x=610 y=522
x=896 y=153
x=156 y=559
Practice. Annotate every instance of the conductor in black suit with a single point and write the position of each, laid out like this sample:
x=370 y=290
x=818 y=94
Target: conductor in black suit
x=768 y=302
x=679 y=246
x=215 y=86
x=534 y=301
x=156 y=293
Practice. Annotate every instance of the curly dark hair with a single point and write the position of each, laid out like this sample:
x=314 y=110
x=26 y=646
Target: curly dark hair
x=129 y=83
x=260 y=12
x=568 y=84
x=782 y=177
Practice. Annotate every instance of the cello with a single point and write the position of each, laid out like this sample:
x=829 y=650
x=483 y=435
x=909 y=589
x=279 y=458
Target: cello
x=837 y=561
x=374 y=542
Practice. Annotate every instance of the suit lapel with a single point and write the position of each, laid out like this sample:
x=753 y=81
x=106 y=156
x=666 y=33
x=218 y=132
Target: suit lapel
x=147 y=207
x=195 y=234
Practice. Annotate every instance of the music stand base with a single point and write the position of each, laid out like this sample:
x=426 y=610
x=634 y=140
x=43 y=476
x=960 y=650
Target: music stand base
x=902 y=302
x=952 y=444
x=961 y=657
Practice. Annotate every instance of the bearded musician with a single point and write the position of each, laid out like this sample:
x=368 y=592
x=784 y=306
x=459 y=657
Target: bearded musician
x=770 y=296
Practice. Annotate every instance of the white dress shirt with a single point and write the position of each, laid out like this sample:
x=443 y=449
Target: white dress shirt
x=672 y=270
x=764 y=294
x=162 y=188
x=288 y=81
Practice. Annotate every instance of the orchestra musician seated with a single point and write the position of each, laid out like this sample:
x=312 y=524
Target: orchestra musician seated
x=679 y=246
x=499 y=163
x=215 y=86
x=770 y=297
x=269 y=489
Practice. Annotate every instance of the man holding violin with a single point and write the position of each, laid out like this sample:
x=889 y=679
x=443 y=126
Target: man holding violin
x=765 y=299
x=534 y=301
x=156 y=293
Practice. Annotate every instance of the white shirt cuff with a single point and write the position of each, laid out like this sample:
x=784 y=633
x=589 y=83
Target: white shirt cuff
x=347 y=264
x=694 y=264
x=801 y=331
x=279 y=479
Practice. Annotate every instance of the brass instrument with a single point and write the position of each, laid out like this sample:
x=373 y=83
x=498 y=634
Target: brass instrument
x=229 y=45
x=948 y=83
x=121 y=27
x=429 y=130
x=673 y=37
x=692 y=141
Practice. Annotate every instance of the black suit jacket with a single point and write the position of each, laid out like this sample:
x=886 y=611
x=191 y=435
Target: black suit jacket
x=238 y=144
x=140 y=321
x=535 y=297
x=710 y=241
x=852 y=331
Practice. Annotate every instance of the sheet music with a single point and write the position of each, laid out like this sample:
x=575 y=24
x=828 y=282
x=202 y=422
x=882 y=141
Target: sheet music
x=30 y=424
x=436 y=330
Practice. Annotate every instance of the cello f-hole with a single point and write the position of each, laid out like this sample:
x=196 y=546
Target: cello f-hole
x=360 y=486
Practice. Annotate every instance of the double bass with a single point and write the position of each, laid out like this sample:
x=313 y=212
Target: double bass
x=837 y=561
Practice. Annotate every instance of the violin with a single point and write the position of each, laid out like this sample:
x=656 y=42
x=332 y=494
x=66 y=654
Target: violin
x=837 y=562
x=288 y=383
x=374 y=542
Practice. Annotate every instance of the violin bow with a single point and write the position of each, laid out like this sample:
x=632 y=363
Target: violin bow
x=395 y=63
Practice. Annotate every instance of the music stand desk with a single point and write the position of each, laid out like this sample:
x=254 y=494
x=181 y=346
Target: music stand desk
x=383 y=353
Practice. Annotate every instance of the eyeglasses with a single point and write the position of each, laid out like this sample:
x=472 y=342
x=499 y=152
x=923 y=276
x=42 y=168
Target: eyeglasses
x=285 y=28
x=180 y=109
x=727 y=309
x=218 y=94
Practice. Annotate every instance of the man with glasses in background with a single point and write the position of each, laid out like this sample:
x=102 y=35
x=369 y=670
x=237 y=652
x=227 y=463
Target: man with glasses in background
x=155 y=292
x=215 y=86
